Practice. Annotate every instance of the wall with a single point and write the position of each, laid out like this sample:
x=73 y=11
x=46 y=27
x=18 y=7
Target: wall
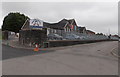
x=71 y=42
x=30 y=37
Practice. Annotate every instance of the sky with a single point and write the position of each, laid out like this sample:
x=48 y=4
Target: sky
x=101 y=17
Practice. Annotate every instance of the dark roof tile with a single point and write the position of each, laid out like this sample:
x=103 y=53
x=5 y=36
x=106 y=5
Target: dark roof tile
x=60 y=25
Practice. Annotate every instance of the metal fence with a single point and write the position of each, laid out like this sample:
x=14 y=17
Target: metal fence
x=92 y=37
x=84 y=36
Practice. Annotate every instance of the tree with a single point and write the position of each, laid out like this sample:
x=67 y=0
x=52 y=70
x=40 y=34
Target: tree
x=14 y=22
x=99 y=34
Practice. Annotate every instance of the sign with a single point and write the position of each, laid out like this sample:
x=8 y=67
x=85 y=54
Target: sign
x=36 y=23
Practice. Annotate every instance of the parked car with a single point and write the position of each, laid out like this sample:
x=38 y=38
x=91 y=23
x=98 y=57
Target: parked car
x=72 y=37
x=82 y=37
x=54 y=37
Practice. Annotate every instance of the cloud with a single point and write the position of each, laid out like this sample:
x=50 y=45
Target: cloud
x=97 y=16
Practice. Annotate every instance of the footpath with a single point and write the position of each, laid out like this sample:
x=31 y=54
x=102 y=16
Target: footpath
x=14 y=43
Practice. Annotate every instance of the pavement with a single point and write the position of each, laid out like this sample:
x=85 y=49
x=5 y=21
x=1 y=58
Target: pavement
x=82 y=59
x=0 y=58
x=14 y=42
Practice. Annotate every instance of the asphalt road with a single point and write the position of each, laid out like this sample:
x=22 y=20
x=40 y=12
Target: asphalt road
x=84 y=59
x=0 y=58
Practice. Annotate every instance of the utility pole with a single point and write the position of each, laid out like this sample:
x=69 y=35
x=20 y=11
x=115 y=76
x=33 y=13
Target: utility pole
x=109 y=31
x=109 y=35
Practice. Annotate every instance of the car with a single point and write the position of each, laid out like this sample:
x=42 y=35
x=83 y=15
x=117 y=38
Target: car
x=82 y=37
x=54 y=37
x=72 y=37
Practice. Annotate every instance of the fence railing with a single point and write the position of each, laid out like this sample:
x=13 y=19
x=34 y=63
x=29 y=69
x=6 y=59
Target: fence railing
x=92 y=36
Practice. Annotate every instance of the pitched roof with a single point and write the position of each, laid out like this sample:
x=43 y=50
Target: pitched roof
x=26 y=25
x=60 y=25
x=81 y=28
x=89 y=31
x=116 y=36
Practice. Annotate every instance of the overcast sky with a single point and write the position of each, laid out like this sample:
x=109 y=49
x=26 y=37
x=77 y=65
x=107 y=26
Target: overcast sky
x=96 y=16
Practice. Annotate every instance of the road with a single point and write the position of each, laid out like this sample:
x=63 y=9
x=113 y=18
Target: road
x=0 y=58
x=83 y=59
